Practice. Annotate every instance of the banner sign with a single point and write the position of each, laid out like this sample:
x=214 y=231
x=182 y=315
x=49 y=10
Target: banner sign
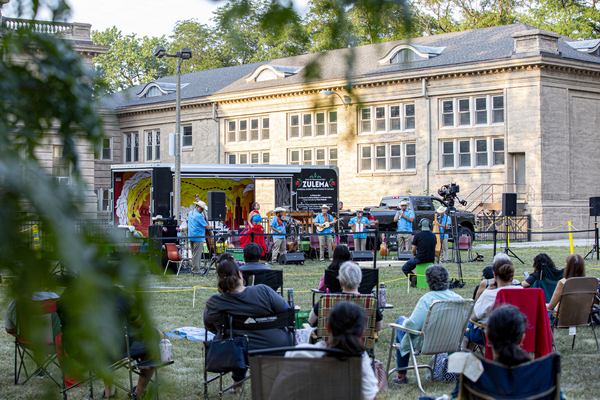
x=313 y=188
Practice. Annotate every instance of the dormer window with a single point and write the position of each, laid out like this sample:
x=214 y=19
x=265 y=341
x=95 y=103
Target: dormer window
x=153 y=92
x=155 y=89
x=268 y=72
x=408 y=53
x=586 y=46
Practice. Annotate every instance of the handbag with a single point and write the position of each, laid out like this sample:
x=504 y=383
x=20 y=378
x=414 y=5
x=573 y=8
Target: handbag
x=227 y=354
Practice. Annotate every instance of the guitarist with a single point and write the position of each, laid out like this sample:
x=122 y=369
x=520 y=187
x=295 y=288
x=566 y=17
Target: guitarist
x=444 y=223
x=360 y=239
x=197 y=226
x=324 y=222
x=278 y=227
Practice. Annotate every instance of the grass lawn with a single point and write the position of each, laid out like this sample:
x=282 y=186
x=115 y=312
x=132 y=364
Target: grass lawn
x=183 y=380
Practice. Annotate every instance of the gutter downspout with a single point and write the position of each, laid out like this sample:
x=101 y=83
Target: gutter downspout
x=428 y=106
x=214 y=113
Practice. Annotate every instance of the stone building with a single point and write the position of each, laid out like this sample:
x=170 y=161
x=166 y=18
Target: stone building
x=508 y=108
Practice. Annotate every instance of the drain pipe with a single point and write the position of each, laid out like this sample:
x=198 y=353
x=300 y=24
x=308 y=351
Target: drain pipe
x=214 y=117
x=428 y=106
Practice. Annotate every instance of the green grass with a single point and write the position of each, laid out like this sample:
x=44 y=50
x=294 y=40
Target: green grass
x=184 y=378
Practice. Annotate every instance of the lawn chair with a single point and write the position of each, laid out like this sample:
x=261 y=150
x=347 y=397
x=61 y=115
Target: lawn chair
x=350 y=241
x=442 y=332
x=538 y=379
x=549 y=277
x=368 y=284
x=575 y=306
x=174 y=257
x=306 y=378
x=367 y=302
x=271 y=278
x=314 y=245
x=465 y=244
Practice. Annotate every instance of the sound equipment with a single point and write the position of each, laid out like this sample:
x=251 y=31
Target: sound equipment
x=155 y=234
x=594 y=206
x=217 y=209
x=404 y=255
x=509 y=204
x=291 y=258
x=361 y=256
x=162 y=187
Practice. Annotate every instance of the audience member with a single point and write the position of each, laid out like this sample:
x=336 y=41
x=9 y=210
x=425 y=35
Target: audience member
x=346 y=323
x=350 y=276
x=540 y=262
x=487 y=279
x=437 y=278
x=10 y=318
x=575 y=268
x=506 y=332
x=252 y=252
x=252 y=301
x=341 y=254
x=423 y=250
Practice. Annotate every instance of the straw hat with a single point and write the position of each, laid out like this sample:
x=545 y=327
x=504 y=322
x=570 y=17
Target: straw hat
x=360 y=210
x=201 y=204
x=324 y=206
x=441 y=210
x=279 y=209
x=404 y=203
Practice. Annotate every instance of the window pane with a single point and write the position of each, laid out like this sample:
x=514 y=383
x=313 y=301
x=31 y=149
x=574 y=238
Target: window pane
x=481 y=117
x=380 y=158
x=136 y=147
x=366 y=126
x=254 y=158
x=409 y=110
x=411 y=149
x=243 y=158
x=232 y=159
x=395 y=112
x=448 y=161
x=320 y=118
x=320 y=124
x=307 y=157
x=157 y=146
x=395 y=118
x=295 y=156
x=254 y=129
x=231 y=131
x=366 y=113
x=448 y=120
x=448 y=147
x=254 y=124
x=243 y=131
x=448 y=107
x=480 y=104
x=306 y=124
x=395 y=150
x=498 y=116
x=498 y=102
x=464 y=146
x=333 y=156
x=465 y=160
x=294 y=126
x=395 y=160
x=366 y=164
x=265 y=129
x=380 y=151
x=498 y=158
x=482 y=159
x=463 y=105
x=294 y=120
x=481 y=111
x=482 y=156
x=187 y=136
x=380 y=119
x=498 y=144
x=306 y=119
x=481 y=145
x=333 y=122
x=320 y=156
x=411 y=162
x=265 y=158
x=366 y=152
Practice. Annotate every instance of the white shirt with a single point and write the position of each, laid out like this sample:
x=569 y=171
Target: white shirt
x=486 y=302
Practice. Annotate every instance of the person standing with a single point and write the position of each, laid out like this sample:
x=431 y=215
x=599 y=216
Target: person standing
x=360 y=239
x=197 y=230
x=423 y=250
x=324 y=222
x=278 y=226
x=254 y=225
x=444 y=223
x=404 y=218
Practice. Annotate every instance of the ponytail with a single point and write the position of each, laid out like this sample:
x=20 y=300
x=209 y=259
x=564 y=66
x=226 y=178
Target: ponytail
x=505 y=329
x=228 y=274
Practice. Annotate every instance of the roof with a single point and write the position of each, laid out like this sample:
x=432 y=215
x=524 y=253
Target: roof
x=225 y=169
x=457 y=48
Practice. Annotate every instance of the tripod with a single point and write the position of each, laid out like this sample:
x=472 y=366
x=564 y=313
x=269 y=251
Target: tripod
x=507 y=249
x=455 y=250
x=595 y=247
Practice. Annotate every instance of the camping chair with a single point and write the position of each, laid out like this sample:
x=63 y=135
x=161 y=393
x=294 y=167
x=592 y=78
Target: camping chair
x=271 y=278
x=277 y=377
x=576 y=305
x=368 y=284
x=244 y=323
x=314 y=245
x=465 y=244
x=367 y=302
x=549 y=277
x=442 y=332
x=174 y=257
x=37 y=338
x=350 y=241
x=538 y=379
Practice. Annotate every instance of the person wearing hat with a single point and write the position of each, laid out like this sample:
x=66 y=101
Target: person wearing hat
x=444 y=223
x=360 y=239
x=196 y=231
x=323 y=222
x=278 y=226
x=423 y=250
x=404 y=217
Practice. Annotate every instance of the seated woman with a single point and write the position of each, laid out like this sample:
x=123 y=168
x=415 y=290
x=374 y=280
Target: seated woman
x=506 y=332
x=437 y=279
x=346 y=324
x=252 y=301
x=350 y=276
x=487 y=278
x=575 y=268
x=503 y=276
x=540 y=262
x=341 y=254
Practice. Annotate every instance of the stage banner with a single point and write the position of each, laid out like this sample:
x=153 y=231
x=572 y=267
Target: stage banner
x=314 y=188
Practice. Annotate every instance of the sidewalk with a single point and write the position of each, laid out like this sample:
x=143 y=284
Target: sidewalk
x=542 y=243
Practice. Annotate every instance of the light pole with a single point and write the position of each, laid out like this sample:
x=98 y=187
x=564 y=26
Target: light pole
x=184 y=54
x=345 y=100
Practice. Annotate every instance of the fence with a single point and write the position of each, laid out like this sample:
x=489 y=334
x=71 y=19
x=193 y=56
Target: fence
x=519 y=228
x=34 y=232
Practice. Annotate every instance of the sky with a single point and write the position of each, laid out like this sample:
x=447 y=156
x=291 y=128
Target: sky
x=142 y=17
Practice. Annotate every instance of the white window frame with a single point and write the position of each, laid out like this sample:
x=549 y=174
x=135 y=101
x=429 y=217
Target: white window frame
x=473 y=153
x=152 y=145
x=257 y=154
x=248 y=155
x=184 y=136
x=302 y=160
x=61 y=163
x=303 y=129
x=235 y=135
x=372 y=120
x=472 y=101
x=101 y=148
x=387 y=157
x=101 y=193
x=133 y=152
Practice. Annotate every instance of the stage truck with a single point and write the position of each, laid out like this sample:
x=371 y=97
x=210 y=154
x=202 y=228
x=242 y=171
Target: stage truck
x=143 y=191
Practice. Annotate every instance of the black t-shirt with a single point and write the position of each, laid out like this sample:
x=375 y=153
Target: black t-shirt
x=532 y=278
x=425 y=242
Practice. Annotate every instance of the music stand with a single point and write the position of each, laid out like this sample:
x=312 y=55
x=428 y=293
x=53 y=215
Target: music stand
x=507 y=249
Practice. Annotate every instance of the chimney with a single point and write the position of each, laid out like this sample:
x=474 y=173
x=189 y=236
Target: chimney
x=535 y=42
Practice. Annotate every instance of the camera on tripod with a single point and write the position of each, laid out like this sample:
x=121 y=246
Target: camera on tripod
x=449 y=194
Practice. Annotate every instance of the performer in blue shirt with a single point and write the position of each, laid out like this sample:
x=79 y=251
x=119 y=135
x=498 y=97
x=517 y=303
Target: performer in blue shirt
x=445 y=224
x=360 y=239
x=324 y=222
x=197 y=230
x=278 y=227
x=405 y=218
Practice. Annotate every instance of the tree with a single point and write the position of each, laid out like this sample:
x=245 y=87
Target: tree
x=381 y=21
x=577 y=19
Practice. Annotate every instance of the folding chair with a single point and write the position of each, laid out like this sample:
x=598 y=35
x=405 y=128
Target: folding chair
x=442 y=332
x=277 y=377
x=538 y=379
x=174 y=257
x=271 y=278
x=37 y=338
x=549 y=278
x=367 y=302
x=465 y=244
x=575 y=305
x=368 y=284
x=350 y=241
x=241 y=325
x=314 y=245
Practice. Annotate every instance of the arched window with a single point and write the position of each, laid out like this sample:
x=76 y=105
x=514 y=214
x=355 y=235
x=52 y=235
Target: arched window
x=405 y=55
x=154 y=92
x=266 y=75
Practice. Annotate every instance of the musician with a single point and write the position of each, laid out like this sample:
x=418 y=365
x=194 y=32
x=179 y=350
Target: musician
x=444 y=223
x=254 y=225
x=197 y=230
x=423 y=250
x=323 y=222
x=278 y=226
x=360 y=239
x=405 y=218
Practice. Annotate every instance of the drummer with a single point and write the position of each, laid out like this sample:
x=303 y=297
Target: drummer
x=359 y=224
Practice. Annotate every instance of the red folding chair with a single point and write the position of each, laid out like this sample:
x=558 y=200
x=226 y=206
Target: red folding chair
x=465 y=244
x=314 y=243
x=174 y=257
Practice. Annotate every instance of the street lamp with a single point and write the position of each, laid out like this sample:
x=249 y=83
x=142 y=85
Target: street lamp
x=184 y=54
x=345 y=100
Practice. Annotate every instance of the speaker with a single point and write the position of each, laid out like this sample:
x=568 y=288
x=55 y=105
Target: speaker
x=404 y=255
x=361 y=256
x=162 y=187
x=509 y=204
x=594 y=206
x=217 y=210
x=291 y=258
x=155 y=235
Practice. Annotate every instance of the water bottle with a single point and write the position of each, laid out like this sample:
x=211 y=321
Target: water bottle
x=382 y=295
x=291 y=298
x=165 y=350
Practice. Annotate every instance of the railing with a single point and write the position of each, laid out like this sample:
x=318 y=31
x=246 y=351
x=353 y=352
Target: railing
x=35 y=234
x=73 y=31
x=492 y=193
x=519 y=226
